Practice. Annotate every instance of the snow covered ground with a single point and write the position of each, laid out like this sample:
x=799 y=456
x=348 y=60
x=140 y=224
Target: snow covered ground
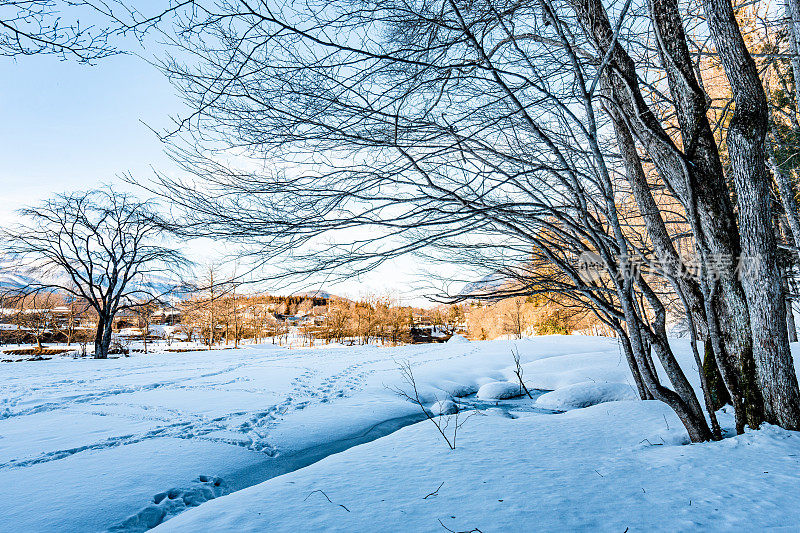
x=90 y=445
x=587 y=470
x=608 y=464
x=85 y=444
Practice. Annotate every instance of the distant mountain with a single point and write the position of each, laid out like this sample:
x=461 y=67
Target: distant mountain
x=10 y=281
x=484 y=286
x=317 y=294
x=164 y=286
x=12 y=278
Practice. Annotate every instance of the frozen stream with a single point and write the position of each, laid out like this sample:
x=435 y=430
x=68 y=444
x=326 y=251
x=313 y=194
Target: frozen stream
x=282 y=464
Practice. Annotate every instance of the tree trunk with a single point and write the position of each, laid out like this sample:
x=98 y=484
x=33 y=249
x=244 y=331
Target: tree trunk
x=762 y=280
x=663 y=246
x=787 y=194
x=791 y=327
x=99 y=352
x=644 y=392
x=695 y=177
x=106 y=342
x=708 y=206
x=706 y=386
x=793 y=23
x=718 y=394
x=696 y=427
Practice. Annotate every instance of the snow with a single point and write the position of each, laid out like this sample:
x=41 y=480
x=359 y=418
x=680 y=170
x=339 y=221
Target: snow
x=174 y=501
x=499 y=390
x=585 y=395
x=444 y=407
x=551 y=373
x=111 y=434
x=91 y=445
x=587 y=469
x=456 y=338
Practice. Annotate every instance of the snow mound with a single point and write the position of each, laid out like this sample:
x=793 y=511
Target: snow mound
x=456 y=338
x=585 y=394
x=444 y=407
x=555 y=372
x=498 y=390
x=457 y=390
x=173 y=501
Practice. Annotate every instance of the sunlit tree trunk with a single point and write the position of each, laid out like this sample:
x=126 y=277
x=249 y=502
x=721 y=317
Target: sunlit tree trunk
x=762 y=280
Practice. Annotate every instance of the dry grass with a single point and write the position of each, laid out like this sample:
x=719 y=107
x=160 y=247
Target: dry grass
x=37 y=351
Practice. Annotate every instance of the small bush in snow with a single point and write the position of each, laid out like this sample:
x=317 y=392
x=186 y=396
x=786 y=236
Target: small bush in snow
x=447 y=424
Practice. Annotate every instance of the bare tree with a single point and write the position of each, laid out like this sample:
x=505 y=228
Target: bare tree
x=476 y=173
x=746 y=138
x=75 y=310
x=98 y=246
x=34 y=317
x=515 y=320
x=144 y=314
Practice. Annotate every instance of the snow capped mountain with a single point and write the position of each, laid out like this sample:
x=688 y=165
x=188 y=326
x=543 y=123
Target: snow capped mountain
x=9 y=280
x=486 y=285
x=163 y=285
x=319 y=293
x=14 y=278
x=11 y=276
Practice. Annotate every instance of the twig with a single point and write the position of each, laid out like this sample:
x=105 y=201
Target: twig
x=434 y=493
x=321 y=492
x=475 y=530
x=442 y=421
x=650 y=443
x=326 y=497
x=519 y=371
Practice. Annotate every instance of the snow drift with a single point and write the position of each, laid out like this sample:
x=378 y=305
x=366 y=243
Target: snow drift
x=585 y=394
x=499 y=390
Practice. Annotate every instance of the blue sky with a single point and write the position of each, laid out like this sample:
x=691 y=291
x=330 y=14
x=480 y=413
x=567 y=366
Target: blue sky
x=67 y=126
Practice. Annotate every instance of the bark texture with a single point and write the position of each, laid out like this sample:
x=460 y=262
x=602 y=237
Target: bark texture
x=762 y=283
x=694 y=175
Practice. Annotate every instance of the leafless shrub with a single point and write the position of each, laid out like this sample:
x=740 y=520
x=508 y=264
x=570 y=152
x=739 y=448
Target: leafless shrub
x=518 y=372
x=446 y=425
